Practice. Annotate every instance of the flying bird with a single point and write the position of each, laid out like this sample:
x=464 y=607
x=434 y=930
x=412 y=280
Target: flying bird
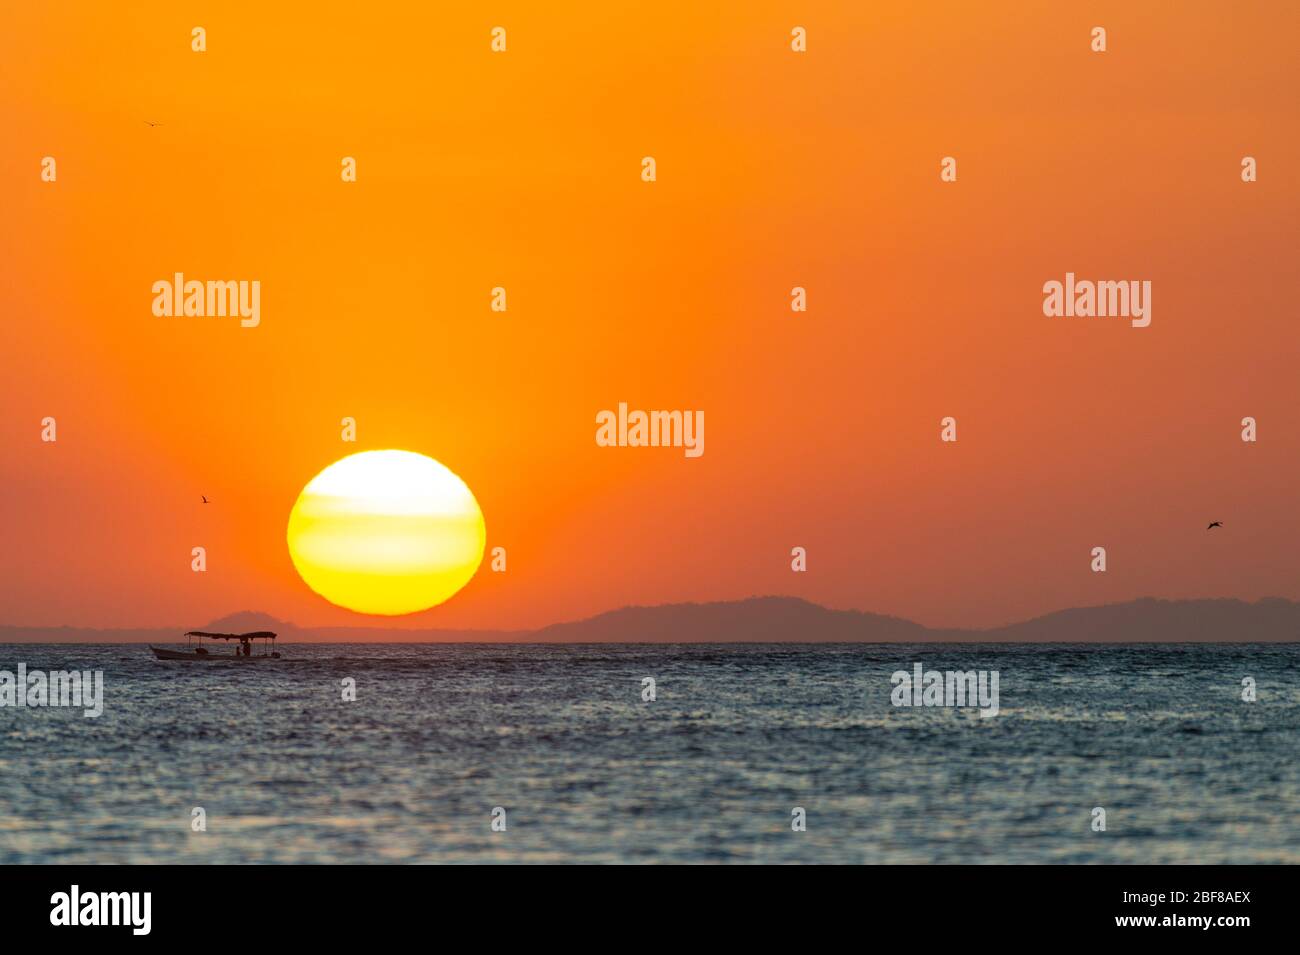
x=147 y=123
x=1214 y=525
x=205 y=500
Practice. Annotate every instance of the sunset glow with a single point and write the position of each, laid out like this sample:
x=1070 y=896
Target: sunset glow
x=374 y=299
x=386 y=532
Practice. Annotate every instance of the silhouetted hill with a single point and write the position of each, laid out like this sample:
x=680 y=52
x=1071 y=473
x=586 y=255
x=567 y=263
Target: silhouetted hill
x=1150 y=620
x=246 y=621
x=783 y=620
x=755 y=620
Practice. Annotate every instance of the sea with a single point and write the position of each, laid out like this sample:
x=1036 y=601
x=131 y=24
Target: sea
x=789 y=753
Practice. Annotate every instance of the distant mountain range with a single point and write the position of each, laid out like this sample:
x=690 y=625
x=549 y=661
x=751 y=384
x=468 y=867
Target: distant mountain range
x=783 y=620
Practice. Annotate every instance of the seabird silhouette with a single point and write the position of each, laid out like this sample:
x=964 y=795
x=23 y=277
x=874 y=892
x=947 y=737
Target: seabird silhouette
x=205 y=500
x=147 y=123
x=1214 y=525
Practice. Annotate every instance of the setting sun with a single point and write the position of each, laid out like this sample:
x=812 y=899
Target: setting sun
x=386 y=532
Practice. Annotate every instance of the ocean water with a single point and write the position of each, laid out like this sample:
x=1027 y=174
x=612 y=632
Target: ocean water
x=738 y=736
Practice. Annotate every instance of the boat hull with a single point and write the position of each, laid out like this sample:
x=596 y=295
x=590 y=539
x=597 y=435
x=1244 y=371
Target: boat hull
x=164 y=654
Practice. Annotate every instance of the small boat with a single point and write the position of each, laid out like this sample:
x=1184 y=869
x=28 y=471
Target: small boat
x=242 y=653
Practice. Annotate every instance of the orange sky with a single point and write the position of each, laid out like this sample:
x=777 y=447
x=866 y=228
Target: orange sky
x=775 y=169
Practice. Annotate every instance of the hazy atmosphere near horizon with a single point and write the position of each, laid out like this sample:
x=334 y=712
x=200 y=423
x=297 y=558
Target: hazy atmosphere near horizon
x=432 y=433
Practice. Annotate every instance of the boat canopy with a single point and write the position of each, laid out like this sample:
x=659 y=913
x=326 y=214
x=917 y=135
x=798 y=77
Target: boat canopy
x=255 y=635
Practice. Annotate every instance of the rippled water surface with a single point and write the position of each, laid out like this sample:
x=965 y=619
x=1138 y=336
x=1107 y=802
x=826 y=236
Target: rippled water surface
x=709 y=772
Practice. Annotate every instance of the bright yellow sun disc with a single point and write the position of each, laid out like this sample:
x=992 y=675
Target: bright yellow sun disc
x=386 y=532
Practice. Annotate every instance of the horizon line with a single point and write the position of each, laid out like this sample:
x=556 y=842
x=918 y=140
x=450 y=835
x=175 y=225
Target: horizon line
x=378 y=625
